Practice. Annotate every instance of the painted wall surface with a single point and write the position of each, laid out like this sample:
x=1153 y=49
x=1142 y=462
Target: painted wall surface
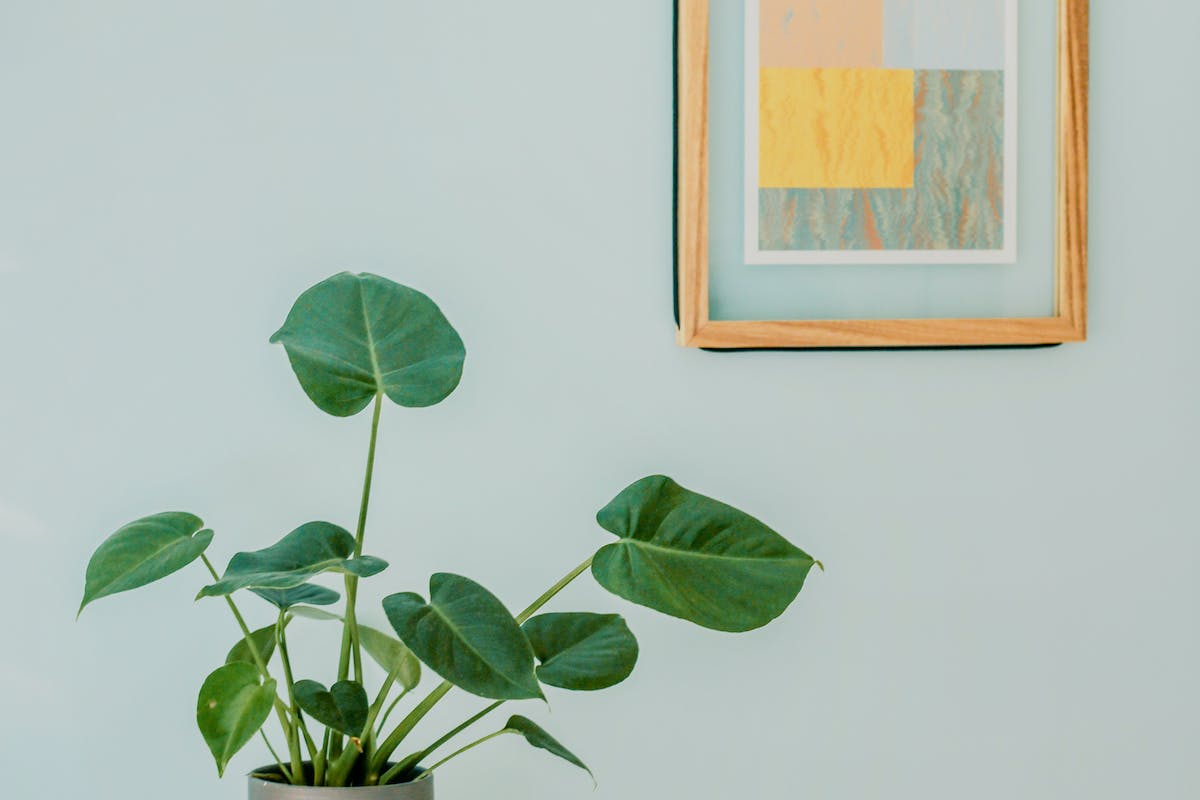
x=1011 y=604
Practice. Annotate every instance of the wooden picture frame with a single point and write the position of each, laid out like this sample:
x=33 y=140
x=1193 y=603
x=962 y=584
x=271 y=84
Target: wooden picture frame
x=697 y=330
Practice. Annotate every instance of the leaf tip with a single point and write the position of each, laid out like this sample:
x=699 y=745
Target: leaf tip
x=820 y=566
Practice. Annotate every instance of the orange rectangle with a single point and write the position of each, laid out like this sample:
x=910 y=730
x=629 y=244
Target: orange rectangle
x=821 y=33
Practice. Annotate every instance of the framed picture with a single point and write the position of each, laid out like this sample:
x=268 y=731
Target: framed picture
x=881 y=173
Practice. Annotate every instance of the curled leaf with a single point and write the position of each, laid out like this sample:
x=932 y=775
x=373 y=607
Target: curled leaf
x=303 y=554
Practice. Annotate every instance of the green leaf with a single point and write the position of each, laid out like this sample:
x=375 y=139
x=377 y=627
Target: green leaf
x=304 y=553
x=352 y=337
x=391 y=654
x=467 y=636
x=143 y=552
x=314 y=613
x=264 y=642
x=284 y=599
x=232 y=706
x=343 y=707
x=695 y=558
x=537 y=737
x=582 y=652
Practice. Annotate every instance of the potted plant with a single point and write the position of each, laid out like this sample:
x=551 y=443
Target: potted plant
x=357 y=342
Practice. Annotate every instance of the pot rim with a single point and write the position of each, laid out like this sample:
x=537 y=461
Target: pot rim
x=255 y=776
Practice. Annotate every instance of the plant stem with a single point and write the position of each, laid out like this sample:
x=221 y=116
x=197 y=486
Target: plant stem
x=350 y=630
x=278 y=761
x=383 y=720
x=414 y=760
x=350 y=642
x=405 y=727
x=280 y=709
x=550 y=593
x=341 y=767
x=297 y=718
x=455 y=754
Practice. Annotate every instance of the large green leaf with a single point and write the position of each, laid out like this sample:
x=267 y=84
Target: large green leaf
x=342 y=707
x=582 y=652
x=232 y=706
x=304 y=553
x=264 y=643
x=143 y=552
x=391 y=654
x=352 y=337
x=695 y=558
x=466 y=635
x=537 y=737
x=305 y=593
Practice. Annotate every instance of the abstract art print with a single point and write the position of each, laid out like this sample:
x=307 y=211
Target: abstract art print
x=881 y=131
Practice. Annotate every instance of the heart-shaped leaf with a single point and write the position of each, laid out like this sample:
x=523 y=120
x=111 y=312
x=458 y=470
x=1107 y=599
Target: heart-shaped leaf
x=537 y=737
x=264 y=643
x=466 y=635
x=143 y=552
x=352 y=337
x=391 y=654
x=304 y=553
x=232 y=706
x=343 y=707
x=308 y=593
x=582 y=652
x=695 y=558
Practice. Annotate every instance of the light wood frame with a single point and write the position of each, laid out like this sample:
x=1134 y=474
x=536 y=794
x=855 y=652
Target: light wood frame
x=1069 y=323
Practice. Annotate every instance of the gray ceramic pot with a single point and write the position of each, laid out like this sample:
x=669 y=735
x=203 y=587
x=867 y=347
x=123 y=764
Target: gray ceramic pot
x=271 y=790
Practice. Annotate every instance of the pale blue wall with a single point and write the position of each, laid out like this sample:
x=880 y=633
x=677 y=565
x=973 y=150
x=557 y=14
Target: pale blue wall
x=1011 y=604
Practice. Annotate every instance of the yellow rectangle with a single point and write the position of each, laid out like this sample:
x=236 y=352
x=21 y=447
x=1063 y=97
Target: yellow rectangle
x=836 y=128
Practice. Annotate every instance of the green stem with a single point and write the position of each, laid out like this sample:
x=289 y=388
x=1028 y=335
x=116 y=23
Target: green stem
x=414 y=760
x=550 y=593
x=417 y=714
x=297 y=719
x=341 y=767
x=453 y=755
x=428 y=750
x=350 y=642
x=383 y=720
x=287 y=775
x=280 y=709
x=406 y=725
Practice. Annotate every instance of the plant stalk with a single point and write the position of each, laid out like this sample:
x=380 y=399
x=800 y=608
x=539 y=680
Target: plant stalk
x=284 y=771
x=383 y=720
x=280 y=708
x=406 y=725
x=553 y=591
x=453 y=755
x=298 y=725
x=339 y=771
x=414 y=760
x=351 y=646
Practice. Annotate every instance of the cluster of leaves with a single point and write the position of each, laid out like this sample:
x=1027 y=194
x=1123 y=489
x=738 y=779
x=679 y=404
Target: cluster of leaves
x=353 y=341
